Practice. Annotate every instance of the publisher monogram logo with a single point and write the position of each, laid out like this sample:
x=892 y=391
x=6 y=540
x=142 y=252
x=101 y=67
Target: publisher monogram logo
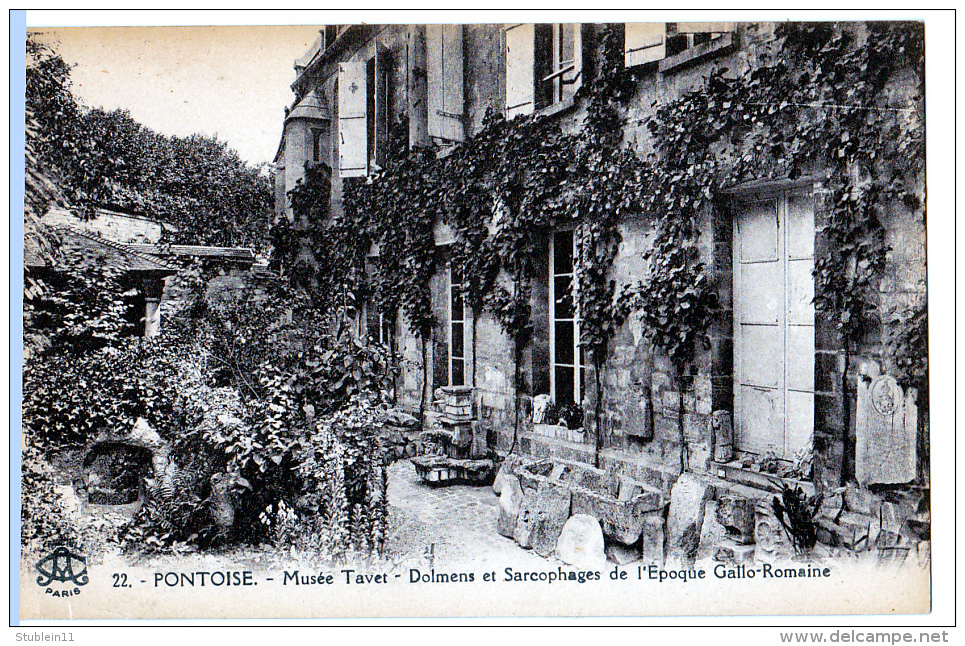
x=63 y=566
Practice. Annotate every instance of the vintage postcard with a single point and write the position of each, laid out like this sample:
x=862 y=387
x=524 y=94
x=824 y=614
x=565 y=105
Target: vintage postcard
x=479 y=319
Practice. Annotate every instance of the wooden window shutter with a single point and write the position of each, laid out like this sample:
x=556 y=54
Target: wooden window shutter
x=352 y=135
x=446 y=97
x=519 y=69
x=704 y=27
x=644 y=42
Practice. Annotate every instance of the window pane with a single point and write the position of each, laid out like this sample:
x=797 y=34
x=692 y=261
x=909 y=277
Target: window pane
x=564 y=342
x=543 y=51
x=566 y=44
x=563 y=253
x=564 y=385
x=370 y=106
x=458 y=372
x=387 y=332
x=457 y=304
x=457 y=340
x=563 y=293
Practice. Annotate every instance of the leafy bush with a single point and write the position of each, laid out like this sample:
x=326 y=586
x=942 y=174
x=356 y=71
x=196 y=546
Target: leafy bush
x=42 y=525
x=268 y=436
x=345 y=477
x=908 y=347
x=68 y=398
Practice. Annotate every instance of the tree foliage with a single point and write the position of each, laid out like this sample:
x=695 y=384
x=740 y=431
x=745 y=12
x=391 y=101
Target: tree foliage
x=106 y=158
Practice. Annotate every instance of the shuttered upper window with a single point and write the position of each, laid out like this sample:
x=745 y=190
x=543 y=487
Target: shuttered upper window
x=364 y=113
x=544 y=65
x=352 y=129
x=445 y=83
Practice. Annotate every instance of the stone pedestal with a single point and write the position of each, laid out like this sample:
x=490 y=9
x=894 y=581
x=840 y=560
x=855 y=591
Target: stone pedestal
x=455 y=447
x=723 y=427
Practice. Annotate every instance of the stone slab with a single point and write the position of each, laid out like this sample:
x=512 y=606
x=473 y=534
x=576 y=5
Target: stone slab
x=730 y=551
x=773 y=543
x=712 y=533
x=622 y=554
x=736 y=514
x=886 y=429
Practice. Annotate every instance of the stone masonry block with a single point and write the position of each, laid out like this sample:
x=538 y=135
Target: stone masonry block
x=736 y=514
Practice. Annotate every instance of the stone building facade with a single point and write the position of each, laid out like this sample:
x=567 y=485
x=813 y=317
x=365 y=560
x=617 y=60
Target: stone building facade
x=775 y=378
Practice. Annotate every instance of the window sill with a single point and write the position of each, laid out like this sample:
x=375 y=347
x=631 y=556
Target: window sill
x=692 y=56
x=556 y=108
x=560 y=432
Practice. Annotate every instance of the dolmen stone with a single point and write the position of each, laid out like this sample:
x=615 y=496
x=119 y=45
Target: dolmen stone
x=581 y=543
x=507 y=468
x=541 y=518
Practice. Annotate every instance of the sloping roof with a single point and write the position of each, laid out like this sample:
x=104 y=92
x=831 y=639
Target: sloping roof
x=58 y=215
x=236 y=254
x=110 y=253
x=312 y=106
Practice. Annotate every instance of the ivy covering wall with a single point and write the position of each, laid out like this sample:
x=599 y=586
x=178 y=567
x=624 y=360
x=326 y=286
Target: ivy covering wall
x=840 y=102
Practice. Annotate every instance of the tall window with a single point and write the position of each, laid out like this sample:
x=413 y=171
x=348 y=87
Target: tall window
x=457 y=329
x=557 y=67
x=378 y=115
x=544 y=65
x=566 y=354
x=317 y=144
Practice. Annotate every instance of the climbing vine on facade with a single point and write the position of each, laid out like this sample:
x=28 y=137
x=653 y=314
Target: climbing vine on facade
x=818 y=101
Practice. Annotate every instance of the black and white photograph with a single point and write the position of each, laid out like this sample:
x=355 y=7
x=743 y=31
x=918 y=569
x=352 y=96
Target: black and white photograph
x=477 y=319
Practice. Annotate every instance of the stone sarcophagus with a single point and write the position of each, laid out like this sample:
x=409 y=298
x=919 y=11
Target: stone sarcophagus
x=621 y=505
